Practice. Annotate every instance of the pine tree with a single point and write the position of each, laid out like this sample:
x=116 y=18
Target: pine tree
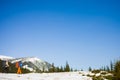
x=111 y=66
x=43 y=68
x=71 y=70
x=57 y=69
x=67 y=67
x=61 y=69
x=104 y=68
x=90 y=69
x=81 y=69
x=108 y=69
x=52 y=69
x=117 y=70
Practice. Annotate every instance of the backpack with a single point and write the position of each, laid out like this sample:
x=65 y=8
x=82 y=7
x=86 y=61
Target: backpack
x=20 y=64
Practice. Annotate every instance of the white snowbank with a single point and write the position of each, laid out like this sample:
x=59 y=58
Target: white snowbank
x=44 y=76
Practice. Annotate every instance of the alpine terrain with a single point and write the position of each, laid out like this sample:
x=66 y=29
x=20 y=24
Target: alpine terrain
x=33 y=64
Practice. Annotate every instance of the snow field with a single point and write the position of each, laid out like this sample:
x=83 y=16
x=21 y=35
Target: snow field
x=44 y=76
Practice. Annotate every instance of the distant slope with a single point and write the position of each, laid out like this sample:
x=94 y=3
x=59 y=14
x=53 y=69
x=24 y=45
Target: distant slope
x=33 y=64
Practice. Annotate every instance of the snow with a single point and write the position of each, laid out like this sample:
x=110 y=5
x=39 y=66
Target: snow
x=33 y=59
x=26 y=67
x=98 y=74
x=27 y=59
x=44 y=76
x=14 y=61
x=5 y=57
x=86 y=73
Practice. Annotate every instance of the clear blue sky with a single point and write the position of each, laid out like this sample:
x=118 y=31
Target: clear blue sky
x=83 y=32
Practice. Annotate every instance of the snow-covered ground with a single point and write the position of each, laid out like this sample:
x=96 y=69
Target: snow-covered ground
x=44 y=76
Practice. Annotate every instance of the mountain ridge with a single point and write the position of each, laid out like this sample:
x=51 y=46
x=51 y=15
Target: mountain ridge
x=33 y=64
x=2 y=57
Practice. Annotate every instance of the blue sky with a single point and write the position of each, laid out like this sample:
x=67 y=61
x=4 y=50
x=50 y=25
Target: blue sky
x=83 y=32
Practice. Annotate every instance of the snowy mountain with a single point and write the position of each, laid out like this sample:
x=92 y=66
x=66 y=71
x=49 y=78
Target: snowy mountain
x=33 y=64
x=5 y=57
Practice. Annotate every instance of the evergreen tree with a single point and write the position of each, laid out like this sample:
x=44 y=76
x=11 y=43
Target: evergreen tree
x=52 y=69
x=117 y=70
x=61 y=69
x=67 y=67
x=43 y=70
x=111 y=66
x=81 y=69
x=90 y=69
x=57 y=69
x=71 y=70
x=108 y=69
x=104 y=68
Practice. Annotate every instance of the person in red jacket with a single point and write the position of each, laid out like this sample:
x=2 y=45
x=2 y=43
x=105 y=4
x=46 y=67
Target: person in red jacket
x=18 y=66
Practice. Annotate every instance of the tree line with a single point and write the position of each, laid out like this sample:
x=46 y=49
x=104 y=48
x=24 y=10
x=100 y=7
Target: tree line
x=113 y=68
x=65 y=68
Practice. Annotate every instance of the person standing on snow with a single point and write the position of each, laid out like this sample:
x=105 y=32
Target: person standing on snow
x=19 y=66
